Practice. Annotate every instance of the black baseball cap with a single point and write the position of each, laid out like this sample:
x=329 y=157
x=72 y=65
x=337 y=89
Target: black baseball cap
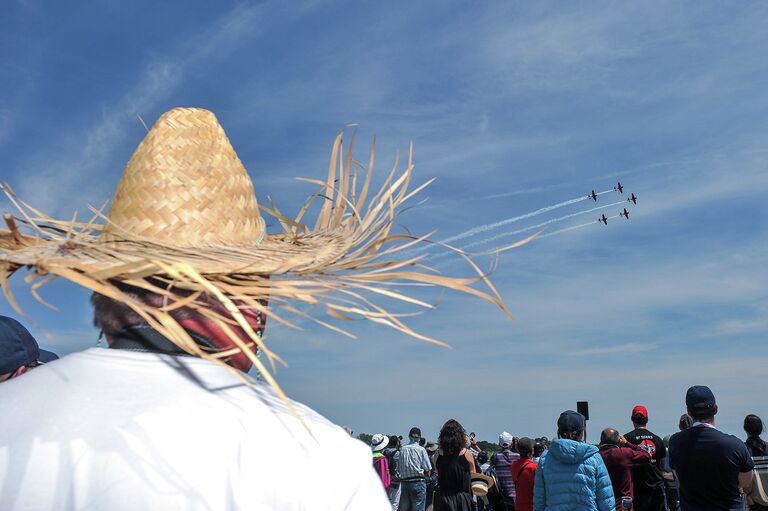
x=570 y=422
x=18 y=347
x=700 y=401
x=414 y=432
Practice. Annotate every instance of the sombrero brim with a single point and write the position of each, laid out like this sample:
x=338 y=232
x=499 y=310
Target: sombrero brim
x=350 y=250
x=348 y=256
x=485 y=483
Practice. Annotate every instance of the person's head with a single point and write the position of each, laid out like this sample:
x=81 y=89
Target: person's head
x=571 y=425
x=753 y=426
x=482 y=457
x=609 y=437
x=685 y=422
x=19 y=351
x=701 y=404
x=639 y=416
x=525 y=447
x=414 y=434
x=379 y=442
x=394 y=441
x=505 y=440
x=538 y=449
x=452 y=437
x=115 y=318
x=422 y=441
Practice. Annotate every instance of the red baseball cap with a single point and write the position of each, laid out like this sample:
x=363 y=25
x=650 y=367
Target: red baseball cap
x=640 y=410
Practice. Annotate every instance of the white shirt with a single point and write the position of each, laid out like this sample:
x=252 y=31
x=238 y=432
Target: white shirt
x=118 y=430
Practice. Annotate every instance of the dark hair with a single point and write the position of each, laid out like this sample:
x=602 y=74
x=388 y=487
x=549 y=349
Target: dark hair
x=685 y=422
x=538 y=448
x=451 y=438
x=422 y=441
x=639 y=418
x=609 y=436
x=702 y=412
x=572 y=435
x=753 y=426
x=525 y=447
x=393 y=441
x=482 y=457
x=414 y=433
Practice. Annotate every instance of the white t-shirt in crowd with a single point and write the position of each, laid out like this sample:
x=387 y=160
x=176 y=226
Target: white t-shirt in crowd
x=119 y=430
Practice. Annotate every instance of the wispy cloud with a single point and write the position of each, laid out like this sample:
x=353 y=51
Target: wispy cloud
x=61 y=181
x=618 y=349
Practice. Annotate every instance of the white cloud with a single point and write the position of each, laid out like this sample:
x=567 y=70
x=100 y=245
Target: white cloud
x=618 y=349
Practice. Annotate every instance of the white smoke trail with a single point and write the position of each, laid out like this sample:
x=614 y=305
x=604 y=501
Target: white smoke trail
x=559 y=231
x=537 y=226
x=495 y=225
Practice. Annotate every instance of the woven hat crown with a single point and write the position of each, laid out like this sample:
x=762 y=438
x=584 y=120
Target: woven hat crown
x=185 y=186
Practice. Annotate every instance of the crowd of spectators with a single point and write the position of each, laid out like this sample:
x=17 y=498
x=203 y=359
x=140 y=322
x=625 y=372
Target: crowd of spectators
x=697 y=469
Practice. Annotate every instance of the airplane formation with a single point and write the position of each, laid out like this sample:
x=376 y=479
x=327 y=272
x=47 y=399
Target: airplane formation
x=618 y=188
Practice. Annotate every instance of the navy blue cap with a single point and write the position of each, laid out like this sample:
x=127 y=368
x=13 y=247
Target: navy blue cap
x=18 y=347
x=571 y=422
x=699 y=396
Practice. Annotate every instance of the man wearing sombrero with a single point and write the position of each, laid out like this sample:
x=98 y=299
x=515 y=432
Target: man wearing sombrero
x=181 y=270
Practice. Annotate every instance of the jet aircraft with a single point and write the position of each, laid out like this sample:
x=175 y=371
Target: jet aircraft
x=619 y=187
x=625 y=214
x=632 y=198
x=593 y=196
x=603 y=219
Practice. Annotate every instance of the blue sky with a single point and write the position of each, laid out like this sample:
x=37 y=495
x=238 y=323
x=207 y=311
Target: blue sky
x=512 y=106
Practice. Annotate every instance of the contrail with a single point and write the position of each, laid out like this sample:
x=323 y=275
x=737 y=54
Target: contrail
x=542 y=224
x=559 y=231
x=489 y=227
x=573 y=227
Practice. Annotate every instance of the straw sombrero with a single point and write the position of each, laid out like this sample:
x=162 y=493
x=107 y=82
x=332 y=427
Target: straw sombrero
x=481 y=484
x=185 y=218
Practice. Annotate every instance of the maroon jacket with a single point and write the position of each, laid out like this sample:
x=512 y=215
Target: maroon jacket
x=620 y=461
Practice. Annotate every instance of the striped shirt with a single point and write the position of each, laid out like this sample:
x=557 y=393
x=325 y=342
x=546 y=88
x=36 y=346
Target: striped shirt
x=413 y=463
x=502 y=462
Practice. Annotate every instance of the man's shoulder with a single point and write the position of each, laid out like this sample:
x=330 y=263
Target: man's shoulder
x=413 y=447
x=728 y=440
x=195 y=394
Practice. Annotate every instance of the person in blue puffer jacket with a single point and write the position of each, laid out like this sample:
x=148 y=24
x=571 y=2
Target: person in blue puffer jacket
x=571 y=474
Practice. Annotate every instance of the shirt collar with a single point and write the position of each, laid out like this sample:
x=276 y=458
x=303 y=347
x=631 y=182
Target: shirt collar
x=698 y=424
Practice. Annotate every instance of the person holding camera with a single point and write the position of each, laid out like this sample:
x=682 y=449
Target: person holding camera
x=621 y=457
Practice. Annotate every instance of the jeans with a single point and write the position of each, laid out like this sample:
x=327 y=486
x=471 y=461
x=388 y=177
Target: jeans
x=394 y=496
x=413 y=495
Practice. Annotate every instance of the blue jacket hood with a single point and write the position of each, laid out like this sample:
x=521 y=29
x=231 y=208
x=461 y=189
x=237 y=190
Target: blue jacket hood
x=570 y=451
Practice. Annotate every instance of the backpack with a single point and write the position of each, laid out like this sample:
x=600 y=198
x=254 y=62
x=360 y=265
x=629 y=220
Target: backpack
x=759 y=492
x=392 y=457
x=495 y=497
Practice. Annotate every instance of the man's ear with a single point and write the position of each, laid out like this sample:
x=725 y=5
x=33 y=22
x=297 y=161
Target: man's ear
x=714 y=410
